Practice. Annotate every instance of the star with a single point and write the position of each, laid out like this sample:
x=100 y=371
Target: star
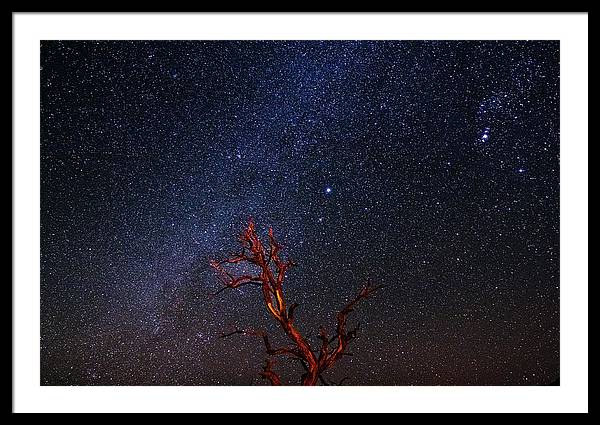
x=486 y=135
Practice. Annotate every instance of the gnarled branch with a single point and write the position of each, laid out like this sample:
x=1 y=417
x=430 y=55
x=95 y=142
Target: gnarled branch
x=342 y=336
x=270 y=272
x=268 y=373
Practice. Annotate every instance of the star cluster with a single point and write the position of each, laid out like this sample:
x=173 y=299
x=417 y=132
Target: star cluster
x=431 y=167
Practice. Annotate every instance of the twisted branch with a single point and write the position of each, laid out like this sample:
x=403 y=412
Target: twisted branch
x=271 y=271
x=268 y=373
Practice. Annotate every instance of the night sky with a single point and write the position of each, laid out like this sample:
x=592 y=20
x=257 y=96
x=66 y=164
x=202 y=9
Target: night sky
x=431 y=167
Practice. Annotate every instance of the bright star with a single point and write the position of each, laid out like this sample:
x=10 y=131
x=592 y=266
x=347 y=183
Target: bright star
x=486 y=135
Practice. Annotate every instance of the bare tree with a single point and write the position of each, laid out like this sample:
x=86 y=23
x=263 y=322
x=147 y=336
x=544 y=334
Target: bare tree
x=269 y=276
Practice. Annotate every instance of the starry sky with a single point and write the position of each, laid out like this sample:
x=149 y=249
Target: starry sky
x=428 y=166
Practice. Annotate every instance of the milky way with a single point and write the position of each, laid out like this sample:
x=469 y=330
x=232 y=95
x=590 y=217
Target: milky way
x=431 y=167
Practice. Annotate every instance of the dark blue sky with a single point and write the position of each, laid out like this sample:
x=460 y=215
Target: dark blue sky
x=442 y=164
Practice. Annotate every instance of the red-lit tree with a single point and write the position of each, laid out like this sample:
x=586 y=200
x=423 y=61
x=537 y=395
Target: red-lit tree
x=269 y=276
